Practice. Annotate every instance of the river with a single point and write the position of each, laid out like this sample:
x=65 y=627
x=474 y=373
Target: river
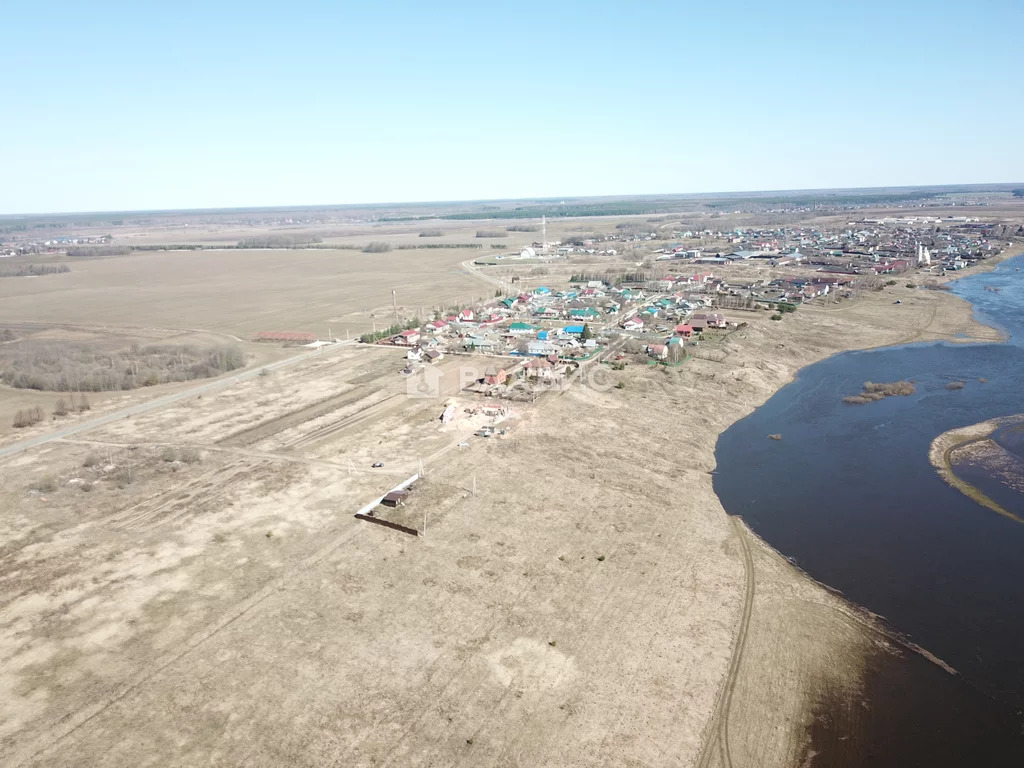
x=849 y=494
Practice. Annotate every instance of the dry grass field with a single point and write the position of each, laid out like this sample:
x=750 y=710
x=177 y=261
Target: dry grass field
x=189 y=585
x=580 y=608
x=243 y=292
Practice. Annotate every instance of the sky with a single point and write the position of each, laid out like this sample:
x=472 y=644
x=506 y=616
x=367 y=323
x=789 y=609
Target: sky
x=138 y=105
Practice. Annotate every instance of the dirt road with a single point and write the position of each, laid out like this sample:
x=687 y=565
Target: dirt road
x=163 y=401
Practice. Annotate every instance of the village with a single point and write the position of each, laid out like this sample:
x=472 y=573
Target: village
x=671 y=307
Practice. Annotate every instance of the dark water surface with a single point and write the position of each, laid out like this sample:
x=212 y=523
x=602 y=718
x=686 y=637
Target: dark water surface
x=850 y=495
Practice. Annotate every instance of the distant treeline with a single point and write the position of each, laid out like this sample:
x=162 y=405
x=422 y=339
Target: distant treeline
x=33 y=270
x=491 y=233
x=431 y=233
x=376 y=246
x=278 y=241
x=417 y=246
x=610 y=278
x=1018 y=193
x=810 y=201
x=625 y=208
x=663 y=206
x=97 y=251
x=73 y=367
x=523 y=228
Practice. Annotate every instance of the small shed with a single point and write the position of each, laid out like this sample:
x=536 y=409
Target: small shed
x=394 y=499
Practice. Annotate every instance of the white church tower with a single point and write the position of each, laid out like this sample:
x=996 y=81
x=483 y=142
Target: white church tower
x=924 y=256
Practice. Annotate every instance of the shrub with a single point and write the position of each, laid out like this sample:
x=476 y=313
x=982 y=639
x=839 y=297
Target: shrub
x=60 y=408
x=46 y=484
x=776 y=317
x=872 y=391
x=911 y=285
x=620 y=385
x=170 y=453
x=430 y=233
x=377 y=246
x=27 y=417
x=189 y=455
x=890 y=282
x=85 y=487
x=91 y=459
x=124 y=477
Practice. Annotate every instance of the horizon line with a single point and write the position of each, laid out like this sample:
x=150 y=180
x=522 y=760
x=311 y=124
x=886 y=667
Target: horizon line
x=554 y=199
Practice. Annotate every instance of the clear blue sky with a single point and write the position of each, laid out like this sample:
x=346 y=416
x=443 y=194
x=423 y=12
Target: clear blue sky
x=137 y=105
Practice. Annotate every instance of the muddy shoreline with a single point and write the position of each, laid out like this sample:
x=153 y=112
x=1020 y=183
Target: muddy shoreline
x=908 y=707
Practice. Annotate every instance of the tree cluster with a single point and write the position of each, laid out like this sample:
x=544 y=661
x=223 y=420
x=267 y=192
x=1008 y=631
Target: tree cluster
x=27 y=417
x=377 y=246
x=33 y=270
x=278 y=241
x=72 y=367
x=97 y=251
x=370 y=338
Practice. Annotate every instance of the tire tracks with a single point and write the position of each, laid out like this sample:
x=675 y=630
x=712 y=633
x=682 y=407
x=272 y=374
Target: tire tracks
x=719 y=723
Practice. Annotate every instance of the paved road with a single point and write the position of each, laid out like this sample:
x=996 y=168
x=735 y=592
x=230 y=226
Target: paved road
x=162 y=401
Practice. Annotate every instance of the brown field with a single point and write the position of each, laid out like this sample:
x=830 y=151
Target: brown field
x=580 y=597
x=244 y=292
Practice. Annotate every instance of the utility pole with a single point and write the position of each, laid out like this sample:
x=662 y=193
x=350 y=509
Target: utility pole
x=394 y=303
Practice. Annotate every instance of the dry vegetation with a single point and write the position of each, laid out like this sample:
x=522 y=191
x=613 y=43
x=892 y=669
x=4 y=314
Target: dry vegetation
x=873 y=391
x=77 y=367
x=33 y=270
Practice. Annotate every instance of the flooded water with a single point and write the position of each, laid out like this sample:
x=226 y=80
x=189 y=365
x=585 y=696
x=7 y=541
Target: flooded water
x=849 y=493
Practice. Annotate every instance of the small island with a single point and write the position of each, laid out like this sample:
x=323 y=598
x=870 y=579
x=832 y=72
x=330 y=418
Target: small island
x=977 y=444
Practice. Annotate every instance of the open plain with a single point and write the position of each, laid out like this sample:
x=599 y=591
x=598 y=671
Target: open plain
x=190 y=585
